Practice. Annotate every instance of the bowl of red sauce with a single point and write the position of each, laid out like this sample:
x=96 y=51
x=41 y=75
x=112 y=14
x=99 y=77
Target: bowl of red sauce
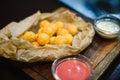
x=76 y=67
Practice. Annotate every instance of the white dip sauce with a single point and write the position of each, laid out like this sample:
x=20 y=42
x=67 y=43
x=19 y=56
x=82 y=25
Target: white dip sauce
x=108 y=26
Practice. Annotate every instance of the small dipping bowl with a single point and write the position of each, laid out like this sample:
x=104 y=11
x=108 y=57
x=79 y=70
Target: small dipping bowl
x=76 y=67
x=107 y=26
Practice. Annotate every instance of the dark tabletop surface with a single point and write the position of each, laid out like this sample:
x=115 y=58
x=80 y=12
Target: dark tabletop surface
x=15 y=10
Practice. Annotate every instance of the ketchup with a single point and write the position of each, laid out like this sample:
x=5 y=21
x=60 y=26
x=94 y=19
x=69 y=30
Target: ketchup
x=72 y=70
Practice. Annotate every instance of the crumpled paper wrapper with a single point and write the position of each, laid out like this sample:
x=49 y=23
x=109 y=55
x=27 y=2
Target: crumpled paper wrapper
x=21 y=50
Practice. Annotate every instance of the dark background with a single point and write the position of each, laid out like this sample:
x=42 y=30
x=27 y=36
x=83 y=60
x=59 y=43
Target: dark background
x=15 y=10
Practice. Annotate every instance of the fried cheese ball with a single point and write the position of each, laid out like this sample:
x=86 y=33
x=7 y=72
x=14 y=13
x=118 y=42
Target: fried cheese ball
x=59 y=40
x=29 y=35
x=42 y=38
x=62 y=31
x=72 y=29
x=52 y=39
x=54 y=27
x=68 y=38
x=44 y=23
x=59 y=24
x=35 y=43
x=48 y=30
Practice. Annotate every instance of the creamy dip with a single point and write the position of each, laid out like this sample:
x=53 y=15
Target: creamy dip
x=108 y=26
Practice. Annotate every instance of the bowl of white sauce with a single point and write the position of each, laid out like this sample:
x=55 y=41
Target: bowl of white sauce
x=107 y=26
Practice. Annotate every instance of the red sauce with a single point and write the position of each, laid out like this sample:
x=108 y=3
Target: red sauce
x=72 y=70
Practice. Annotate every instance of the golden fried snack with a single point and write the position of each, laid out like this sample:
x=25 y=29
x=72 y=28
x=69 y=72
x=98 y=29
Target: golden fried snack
x=44 y=23
x=48 y=30
x=59 y=40
x=59 y=24
x=35 y=43
x=29 y=35
x=72 y=29
x=68 y=38
x=42 y=38
x=62 y=31
x=52 y=39
x=54 y=27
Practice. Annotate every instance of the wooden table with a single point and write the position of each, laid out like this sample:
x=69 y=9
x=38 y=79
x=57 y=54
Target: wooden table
x=101 y=52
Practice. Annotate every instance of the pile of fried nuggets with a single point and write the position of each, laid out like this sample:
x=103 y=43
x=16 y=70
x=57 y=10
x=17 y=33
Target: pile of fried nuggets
x=54 y=33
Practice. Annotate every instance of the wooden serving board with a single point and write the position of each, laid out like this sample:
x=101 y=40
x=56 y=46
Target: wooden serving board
x=101 y=52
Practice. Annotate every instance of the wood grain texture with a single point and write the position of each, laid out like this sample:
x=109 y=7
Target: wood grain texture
x=101 y=52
